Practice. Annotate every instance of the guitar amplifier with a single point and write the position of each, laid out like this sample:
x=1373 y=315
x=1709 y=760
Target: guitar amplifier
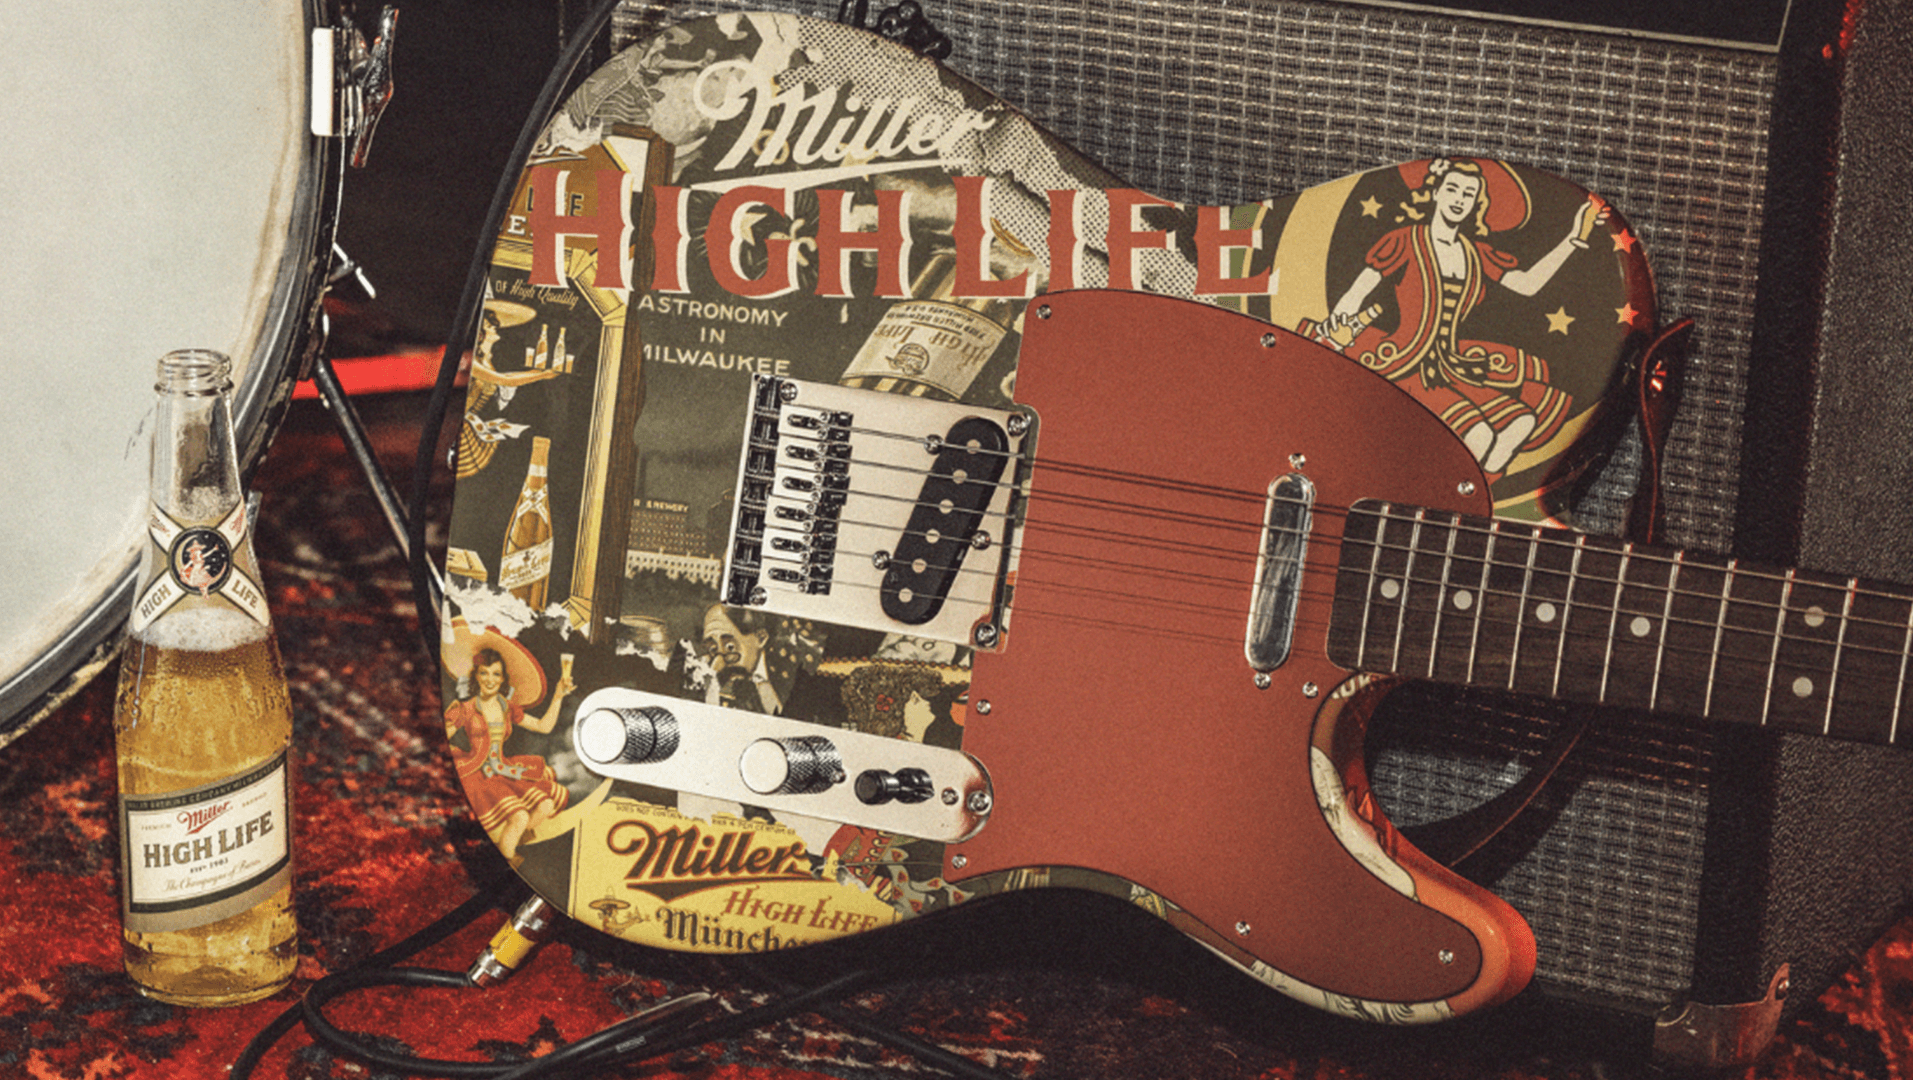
x=1667 y=870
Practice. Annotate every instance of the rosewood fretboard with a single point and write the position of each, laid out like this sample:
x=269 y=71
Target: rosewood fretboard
x=1484 y=602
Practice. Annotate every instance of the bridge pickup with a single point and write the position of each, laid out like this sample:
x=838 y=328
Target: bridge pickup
x=946 y=521
x=1278 y=572
x=877 y=510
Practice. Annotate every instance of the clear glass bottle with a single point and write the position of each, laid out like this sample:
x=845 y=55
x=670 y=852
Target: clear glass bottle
x=203 y=724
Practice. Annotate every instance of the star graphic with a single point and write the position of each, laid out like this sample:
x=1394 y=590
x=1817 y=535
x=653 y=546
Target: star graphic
x=1371 y=208
x=1625 y=314
x=1624 y=241
x=1558 y=321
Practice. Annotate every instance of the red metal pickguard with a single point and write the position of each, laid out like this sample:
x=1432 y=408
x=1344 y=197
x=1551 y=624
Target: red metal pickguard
x=1123 y=730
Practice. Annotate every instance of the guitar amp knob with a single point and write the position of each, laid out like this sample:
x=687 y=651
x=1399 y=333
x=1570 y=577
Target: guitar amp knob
x=798 y=765
x=627 y=736
x=876 y=787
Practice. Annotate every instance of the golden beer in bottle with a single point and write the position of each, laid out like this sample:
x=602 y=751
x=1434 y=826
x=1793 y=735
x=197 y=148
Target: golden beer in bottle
x=203 y=724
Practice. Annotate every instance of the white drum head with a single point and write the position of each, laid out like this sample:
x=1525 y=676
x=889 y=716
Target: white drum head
x=157 y=169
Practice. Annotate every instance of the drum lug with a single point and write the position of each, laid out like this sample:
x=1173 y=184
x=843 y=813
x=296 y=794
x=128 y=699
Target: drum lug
x=352 y=81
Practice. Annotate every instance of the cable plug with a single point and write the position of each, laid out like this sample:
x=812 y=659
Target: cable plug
x=531 y=924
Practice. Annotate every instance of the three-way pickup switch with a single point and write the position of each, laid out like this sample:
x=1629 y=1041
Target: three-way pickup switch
x=876 y=787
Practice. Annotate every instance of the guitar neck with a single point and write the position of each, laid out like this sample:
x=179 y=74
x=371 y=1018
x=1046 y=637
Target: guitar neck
x=1484 y=602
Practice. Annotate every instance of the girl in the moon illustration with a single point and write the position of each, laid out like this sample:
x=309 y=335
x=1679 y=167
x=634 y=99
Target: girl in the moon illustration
x=1495 y=396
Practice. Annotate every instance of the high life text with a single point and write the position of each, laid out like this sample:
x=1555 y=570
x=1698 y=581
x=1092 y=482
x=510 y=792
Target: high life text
x=598 y=207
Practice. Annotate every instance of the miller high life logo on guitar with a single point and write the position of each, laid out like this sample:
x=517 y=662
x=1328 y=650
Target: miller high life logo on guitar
x=727 y=884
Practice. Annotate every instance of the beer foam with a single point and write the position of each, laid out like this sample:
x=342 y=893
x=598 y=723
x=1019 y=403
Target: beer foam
x=207 y=629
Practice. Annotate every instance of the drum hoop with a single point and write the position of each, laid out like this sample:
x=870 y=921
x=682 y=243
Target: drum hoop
x=286 y=343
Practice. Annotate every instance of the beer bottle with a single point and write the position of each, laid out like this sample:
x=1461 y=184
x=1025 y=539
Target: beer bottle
x=934 y=343
x=202 y=723
x=526 y=568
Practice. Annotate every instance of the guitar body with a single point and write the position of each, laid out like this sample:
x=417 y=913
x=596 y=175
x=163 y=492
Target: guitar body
x=865 y=504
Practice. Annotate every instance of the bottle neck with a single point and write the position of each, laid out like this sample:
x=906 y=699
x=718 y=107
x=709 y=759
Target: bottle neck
x=199 y=585
x=195 y=468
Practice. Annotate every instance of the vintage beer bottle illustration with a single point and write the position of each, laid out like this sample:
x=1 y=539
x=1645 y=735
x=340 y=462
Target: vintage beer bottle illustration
x=933 y=344
x=526 y=569
x=202 y=723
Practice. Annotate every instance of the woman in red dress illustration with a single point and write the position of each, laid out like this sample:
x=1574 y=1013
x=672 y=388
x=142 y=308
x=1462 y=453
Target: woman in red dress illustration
x=1495 y=396
x=512 y=795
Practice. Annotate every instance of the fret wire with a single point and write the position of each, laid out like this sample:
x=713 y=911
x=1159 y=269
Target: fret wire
x=1899 y=690
x=1839 y=643
x=1408 y=578
x=1754 y=576
x=1520 y=621
x=1614 y=618
x=1733 y=575
x=1720 y=631
x=1667 y=619
x=1368 y=595
x=1481 y=597
x=1773 y=663
x=1441 y=601
x=1713 y=651
x=1567 y=610
x=1752 y=573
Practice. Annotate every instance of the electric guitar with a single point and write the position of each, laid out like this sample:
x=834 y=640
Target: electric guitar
x=865 y=504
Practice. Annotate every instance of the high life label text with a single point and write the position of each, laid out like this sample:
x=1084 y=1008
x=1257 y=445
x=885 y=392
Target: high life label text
x=822 y=129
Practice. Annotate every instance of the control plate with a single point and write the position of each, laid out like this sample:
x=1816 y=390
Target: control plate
x=730 y=754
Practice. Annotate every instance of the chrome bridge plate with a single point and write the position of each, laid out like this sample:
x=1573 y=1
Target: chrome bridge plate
x=880 y=511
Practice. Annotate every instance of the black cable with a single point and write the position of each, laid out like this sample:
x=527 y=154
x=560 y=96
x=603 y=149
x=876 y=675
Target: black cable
x=465 y=322
x=929 y=1053
x=611 y=1047
x=434 y=932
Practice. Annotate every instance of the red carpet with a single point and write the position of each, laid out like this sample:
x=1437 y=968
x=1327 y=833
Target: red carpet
x=385 y=846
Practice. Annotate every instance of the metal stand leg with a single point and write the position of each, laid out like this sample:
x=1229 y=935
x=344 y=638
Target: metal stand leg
x=353 y=431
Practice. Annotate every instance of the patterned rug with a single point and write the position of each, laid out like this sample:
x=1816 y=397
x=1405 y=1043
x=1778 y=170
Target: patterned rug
x=1061 y=987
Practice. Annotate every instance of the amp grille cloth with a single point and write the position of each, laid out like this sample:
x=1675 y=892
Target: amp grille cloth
x=1238 y=101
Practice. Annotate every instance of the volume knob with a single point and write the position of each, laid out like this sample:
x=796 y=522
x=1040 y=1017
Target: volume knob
x=627 y=736
x=800 y=765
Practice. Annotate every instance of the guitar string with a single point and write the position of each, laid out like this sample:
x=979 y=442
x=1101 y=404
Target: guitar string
x=1442 y=520
x=1652 y=556
x=1750 y=674
x=1545 y=535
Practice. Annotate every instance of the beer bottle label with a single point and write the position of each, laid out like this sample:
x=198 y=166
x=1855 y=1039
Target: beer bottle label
x=199 y=562
x=200 y=855
x=925 y=346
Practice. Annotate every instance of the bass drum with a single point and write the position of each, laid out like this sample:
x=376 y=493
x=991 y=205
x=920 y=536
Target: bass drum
x=163 y=191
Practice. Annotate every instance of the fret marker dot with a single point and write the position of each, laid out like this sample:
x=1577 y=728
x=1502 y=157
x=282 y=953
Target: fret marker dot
x=1640 y=626
x=1815 y=617
x=1803 y=687
x=1464 y=601
x=1391 y=589
x=1544 y=612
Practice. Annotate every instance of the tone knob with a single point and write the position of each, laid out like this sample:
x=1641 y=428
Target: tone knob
x=627 y=736
x=876 y=787
x=800 y=765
